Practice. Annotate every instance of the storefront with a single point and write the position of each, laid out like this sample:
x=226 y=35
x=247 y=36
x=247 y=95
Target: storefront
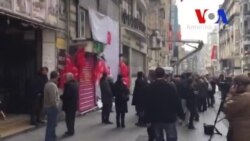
x=20 y=58
x=101 y=54
x=134 y=51
x=27 y=42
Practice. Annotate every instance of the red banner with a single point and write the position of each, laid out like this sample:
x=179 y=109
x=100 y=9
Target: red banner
x=214 y=52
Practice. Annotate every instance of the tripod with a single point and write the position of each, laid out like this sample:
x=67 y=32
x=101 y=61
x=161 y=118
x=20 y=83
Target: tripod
x=217 y=120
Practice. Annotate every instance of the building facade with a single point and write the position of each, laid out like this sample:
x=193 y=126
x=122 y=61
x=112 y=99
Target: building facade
x=245 y=34
x=157 y=29
x=212 y=64
x=32 y=33
x=229 y=44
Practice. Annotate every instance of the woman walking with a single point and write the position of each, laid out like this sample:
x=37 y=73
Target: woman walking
x=121 y=94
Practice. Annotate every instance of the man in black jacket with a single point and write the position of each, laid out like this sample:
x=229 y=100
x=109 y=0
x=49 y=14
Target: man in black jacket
x=69 y=98
x=37 y=96
x=107 y=98
x=163 y=107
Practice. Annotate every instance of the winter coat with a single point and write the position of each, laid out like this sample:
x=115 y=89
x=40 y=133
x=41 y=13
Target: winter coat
x=121 y=93
x=163 y=103
x=70 y=96
x=106 y=91
x=202 y=89
x=213 y=84
x=38 y=86
x=139 y=93
x=237 y=110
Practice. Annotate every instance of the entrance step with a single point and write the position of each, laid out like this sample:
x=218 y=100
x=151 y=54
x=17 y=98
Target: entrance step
x=14 y=124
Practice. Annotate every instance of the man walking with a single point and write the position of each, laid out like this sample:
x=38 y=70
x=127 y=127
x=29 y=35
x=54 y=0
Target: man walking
x=51 y=103
x=69 y=98
x=163 y=107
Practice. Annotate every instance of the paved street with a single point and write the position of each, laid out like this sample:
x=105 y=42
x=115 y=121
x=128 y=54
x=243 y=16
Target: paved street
x=89 y=128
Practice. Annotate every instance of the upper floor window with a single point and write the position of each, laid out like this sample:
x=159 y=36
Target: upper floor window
x=82 y=23
x=127 y=6
x=245 y=9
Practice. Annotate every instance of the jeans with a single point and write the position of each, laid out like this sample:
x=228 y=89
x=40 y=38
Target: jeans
x=168 y=128
x=52 y=113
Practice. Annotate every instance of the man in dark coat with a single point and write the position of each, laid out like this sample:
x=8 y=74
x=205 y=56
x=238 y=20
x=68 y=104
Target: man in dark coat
x=37 y=96
x=211 y=93
x=107 y=98
x=70 y=102
x=139 y=97
x=163 y=107
x=202 y=96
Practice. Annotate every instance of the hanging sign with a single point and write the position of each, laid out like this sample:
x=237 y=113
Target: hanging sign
x=52 y=9
x=39 y=9
x=60 y=43
x=6 y=4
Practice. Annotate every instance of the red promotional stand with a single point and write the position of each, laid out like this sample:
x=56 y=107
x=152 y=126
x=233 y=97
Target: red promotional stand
x=83 y=63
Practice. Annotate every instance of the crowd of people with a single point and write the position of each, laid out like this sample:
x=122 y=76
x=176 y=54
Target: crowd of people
x=159 y=102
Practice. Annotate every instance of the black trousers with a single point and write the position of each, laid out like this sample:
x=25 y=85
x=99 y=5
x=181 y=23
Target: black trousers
x=106 y=109
x=151 y=133
x=202 y=104
x=193 y=115
x=70 y=121
x=36 y=110
x=141 y=115
x=120 y=119
x=210 y=99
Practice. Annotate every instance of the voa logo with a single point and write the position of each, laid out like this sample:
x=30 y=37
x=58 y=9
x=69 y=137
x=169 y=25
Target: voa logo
x=211 y=16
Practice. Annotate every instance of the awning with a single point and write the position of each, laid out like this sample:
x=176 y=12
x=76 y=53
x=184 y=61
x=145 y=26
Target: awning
x=42 y=25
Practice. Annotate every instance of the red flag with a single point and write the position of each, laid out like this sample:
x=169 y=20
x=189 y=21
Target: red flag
x=213 y=52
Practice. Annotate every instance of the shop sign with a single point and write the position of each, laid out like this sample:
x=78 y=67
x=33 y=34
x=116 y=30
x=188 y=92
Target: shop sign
x=52 y=9
x=6 y=4
x=39 y=9
x=60 y=43
x=22 y=6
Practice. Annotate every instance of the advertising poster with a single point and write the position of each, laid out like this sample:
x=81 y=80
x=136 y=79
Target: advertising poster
x=22 y=6
x=6 y=4
x=39 y=9
x=52 y=8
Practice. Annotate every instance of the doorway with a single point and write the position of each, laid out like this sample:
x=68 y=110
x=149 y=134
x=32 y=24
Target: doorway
x=20 y=57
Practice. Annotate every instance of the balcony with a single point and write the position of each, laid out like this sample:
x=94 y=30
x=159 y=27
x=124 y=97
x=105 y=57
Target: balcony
x=133 y=22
